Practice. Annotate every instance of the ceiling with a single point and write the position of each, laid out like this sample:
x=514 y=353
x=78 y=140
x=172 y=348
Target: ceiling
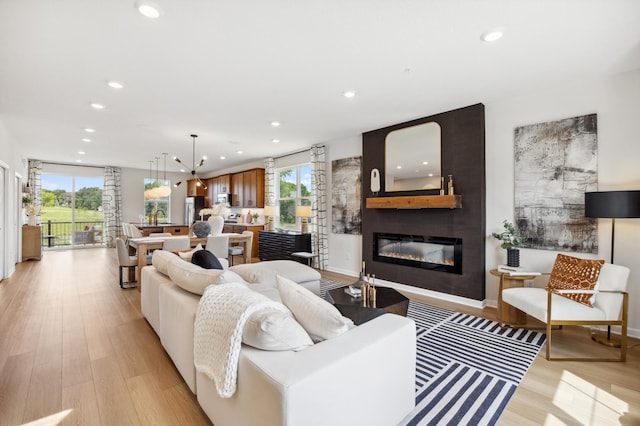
x=226 y=69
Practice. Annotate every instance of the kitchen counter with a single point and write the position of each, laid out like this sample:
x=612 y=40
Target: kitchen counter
x=173 y=228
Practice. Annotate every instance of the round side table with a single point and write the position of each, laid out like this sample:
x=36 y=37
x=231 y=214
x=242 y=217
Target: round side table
x=507 y=313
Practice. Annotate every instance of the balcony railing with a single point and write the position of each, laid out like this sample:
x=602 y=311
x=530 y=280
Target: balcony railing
x=61 y=234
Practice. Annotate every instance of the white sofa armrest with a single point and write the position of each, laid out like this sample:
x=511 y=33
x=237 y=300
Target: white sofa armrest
x=365 y=376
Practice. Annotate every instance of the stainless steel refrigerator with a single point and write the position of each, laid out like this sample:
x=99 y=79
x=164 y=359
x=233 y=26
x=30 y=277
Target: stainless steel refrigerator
x=192 y=207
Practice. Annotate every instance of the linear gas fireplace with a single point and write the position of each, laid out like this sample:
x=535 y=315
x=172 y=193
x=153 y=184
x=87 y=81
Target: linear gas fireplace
x=434 y=253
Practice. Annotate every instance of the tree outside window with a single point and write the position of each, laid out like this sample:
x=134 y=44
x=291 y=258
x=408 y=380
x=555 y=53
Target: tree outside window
x=294 y=189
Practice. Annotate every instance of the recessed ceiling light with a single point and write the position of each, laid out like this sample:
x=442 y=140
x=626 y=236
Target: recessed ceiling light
x=425 y=163
x=204 y=157
x=239 y=152
x=275 y=140
x=81 y=152
x=89 y=130
x=222 y=157
x=148 y=9
x=492 y=35
x=398 y=167
x=349 y=94
x=430 y=174
x=96 y=105
x=78 y=161
x=115 y=84
x=275 y=123
x=86 y=140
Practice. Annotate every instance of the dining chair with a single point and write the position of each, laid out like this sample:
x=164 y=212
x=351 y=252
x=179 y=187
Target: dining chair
x=238 y=250
x=218 y=245
x=125 y=261
x=176 y=243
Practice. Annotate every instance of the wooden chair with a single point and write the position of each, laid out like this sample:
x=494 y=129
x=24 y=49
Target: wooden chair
x=610 y=307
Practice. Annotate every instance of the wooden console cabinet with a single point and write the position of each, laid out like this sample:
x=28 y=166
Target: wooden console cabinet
x=31 y=242
x=280 y=245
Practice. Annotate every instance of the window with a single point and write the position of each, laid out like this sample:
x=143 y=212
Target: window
x=157 y=201
x=71 y=212
x=293 y=189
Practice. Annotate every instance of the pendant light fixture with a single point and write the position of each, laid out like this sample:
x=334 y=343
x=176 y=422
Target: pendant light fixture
x=195 y=167
x=164 y=190
x=148 y=193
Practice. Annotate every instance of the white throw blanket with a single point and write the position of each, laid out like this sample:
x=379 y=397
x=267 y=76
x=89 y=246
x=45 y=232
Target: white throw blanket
x=217 y=336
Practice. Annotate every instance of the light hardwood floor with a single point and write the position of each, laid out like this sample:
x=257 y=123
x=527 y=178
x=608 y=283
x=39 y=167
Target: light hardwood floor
x=75 y=349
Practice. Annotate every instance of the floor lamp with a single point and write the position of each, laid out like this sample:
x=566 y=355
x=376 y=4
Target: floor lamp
x=614 y=205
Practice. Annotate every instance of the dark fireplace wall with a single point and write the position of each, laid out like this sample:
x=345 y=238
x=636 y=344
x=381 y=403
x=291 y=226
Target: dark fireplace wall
x=462 y=146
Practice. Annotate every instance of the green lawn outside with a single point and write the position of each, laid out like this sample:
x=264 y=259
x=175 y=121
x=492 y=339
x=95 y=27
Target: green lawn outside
x=63 y=214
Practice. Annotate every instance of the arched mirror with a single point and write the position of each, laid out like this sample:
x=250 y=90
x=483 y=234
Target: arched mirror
x=412 y=158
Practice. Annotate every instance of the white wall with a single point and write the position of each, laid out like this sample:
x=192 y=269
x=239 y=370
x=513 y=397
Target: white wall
x=616 y=100
x=11 y=156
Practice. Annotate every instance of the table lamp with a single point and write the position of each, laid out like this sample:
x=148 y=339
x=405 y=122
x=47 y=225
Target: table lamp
x=611 y=204
x=304 y=212
x=269 y=213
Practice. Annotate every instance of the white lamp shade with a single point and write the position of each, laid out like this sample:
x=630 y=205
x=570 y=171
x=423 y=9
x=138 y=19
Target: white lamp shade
x=303 y=211
x=270 y=211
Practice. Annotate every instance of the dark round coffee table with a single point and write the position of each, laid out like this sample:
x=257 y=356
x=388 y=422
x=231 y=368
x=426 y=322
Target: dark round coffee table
x=388 y=300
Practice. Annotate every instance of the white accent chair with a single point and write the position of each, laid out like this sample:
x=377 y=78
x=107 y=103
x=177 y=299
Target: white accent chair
x=218 y=245
x=238 y=250
x=610 y=307
x=176 y=243
x=125 y=261
x=217 y=224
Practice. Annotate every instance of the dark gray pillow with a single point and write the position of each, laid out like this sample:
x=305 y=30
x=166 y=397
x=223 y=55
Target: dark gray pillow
x=205 y=259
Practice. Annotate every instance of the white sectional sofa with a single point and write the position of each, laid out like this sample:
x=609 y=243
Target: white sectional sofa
x=364 y=376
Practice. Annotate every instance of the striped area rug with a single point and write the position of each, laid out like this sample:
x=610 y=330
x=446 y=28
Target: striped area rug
x=467 y=367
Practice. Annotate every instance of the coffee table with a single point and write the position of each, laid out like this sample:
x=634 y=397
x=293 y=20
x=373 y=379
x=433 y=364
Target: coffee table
x=388 y=300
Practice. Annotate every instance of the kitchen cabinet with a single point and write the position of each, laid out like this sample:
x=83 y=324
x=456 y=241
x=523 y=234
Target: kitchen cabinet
x=219 y=185
x=31 y=242
x=173 y=229
x=210 y=195
x=247 y=189
x=193 y=189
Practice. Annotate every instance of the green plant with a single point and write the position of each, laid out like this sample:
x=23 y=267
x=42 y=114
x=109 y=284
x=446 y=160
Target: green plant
x=509 y=237
x=26 y=199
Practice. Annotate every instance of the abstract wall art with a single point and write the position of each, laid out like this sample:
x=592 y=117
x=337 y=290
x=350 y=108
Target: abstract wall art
x=555 y=164
x=346 y=191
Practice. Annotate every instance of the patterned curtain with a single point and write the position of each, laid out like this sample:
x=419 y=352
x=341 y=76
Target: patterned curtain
x=269 y=182
x=319 y=233
x=35 y=171
x=112 y=206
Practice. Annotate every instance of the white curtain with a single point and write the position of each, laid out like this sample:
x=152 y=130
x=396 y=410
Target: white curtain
x=319 y=233
x=35 y=172
x=112 y=205
x=269 y=182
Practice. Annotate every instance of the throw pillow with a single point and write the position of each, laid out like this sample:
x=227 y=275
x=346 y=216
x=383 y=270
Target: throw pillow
x=573 y=273
x=161 y=259
x=318 y=317
x=205 y=259
x=272 y=330
x=187 y=254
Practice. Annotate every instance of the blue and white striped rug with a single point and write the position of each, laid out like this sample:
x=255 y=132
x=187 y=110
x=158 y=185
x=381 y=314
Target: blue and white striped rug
x=467 y=367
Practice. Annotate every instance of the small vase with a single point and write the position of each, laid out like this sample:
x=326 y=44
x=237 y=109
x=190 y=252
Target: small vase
x=201 y=229
x=513 y=257
x=31 y=220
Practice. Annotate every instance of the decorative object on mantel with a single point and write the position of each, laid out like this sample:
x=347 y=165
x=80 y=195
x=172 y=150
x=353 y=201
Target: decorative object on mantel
x=441 y=185
x=450 y=185
x=201 y=229
x=195 y=167
x=510 y=240
x=555 y=163
x=416 y=202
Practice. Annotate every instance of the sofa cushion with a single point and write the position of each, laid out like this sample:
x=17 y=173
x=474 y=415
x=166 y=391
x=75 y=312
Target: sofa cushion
x=188 y=254
x=195 y=279
x=161 y=259
x=573 y=273
x=318 y=317
x=205 y=259
x=272 y=330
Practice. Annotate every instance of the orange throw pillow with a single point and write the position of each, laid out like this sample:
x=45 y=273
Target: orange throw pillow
x=573 y=273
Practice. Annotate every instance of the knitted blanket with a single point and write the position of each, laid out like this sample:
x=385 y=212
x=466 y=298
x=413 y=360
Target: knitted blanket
x=217 y=336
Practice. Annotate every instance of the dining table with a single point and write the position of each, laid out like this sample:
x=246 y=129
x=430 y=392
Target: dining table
x=143 y=245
